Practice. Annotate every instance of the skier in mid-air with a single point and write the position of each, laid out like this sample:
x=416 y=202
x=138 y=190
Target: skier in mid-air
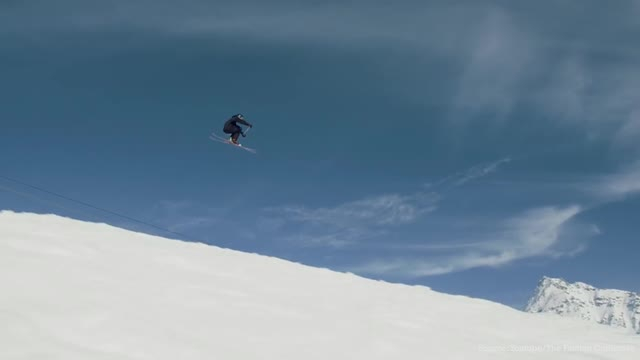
x=231 y=127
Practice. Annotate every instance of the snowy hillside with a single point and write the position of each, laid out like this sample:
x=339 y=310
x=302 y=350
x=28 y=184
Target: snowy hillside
x=72 y=290
x=610 y=307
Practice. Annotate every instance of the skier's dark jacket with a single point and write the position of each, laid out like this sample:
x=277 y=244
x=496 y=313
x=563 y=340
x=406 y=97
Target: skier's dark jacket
x=231 y=124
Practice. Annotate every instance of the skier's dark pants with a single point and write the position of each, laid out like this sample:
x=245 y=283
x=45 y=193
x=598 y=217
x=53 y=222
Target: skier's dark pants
x=234 y=130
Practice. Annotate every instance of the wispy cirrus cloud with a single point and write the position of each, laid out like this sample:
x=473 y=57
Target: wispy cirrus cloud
x=616 y=186
x=604 y=104
x=468 y=175
x=534 y=233
x=480 y=170
x=339 y=239
x=550 y=231
x=388 y=209
x=350 y=223
x=513 y=63
x=500 y=58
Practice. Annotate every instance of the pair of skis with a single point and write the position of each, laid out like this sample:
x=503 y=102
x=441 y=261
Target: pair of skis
x=225 y=140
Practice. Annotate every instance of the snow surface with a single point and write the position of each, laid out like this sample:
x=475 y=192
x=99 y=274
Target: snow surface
x=76 y=290
x=604 y=306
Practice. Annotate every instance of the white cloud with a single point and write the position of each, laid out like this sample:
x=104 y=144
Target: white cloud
x=371 y=217
x=390 y=209
x=352 y=222
x=617 y=186
x=535 y=233
x=339 y=239
x=547 y=231
x=630 y=130
x=501 y=58
x=601 y=104
x=537 y=230
x=481 y=170
x=461 y=178
x=566 y=94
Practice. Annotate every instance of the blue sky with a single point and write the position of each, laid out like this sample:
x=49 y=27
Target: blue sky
x=472 y=148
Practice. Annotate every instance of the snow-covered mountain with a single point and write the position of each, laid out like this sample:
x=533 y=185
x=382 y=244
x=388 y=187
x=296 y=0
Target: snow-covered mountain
x=75 y=291
x=604 y=306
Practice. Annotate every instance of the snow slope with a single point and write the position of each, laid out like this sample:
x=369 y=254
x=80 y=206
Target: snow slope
x=75 y=290
x=604 y=306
